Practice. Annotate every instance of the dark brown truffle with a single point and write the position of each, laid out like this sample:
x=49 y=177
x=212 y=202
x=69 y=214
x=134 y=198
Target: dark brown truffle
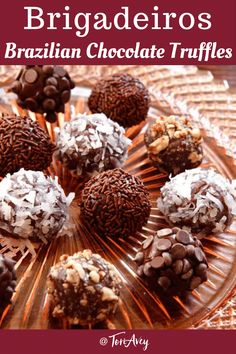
x=172 y=261
x=115 y=204
x=43 y=89
x=7 y=280
x=122 y=98
x=200 y=199
x=173 y=144
x=23 y=144
x=84 y=288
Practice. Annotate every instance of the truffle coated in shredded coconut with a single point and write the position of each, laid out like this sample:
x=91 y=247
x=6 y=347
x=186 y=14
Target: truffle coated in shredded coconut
x=89 y=144
x=32 y=205
x=200 y=199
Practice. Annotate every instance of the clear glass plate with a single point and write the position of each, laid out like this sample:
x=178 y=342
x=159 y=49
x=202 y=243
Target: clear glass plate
x=178 y=90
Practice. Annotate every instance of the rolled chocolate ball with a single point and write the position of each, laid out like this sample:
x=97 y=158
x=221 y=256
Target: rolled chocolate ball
x=122 y=98
x=200 y=199
x=89 y=144
x=173 y=261
x=32 y=206
x=43 y=89
x=174 y=144
x=84 y=288
x=23 y=144
x=7 y=280
x=115 y=204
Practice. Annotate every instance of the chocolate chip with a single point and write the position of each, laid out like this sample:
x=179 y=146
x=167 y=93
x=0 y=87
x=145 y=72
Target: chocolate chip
x=157 y=262
x=201 y=268
x=139 y=257
x=65 y=96
x=31 y=76
x=49 y=104
x=64 y=84
x=164 y=232
x=60 y=71
x=48 y=69
x=51 y=81
x=163 y=245
x=186 y=265
x=32 y=104
x=178 y=251
x=187 y=275
x=195 y=282
x=147 y=242
x=164 y=282
x=147 y=269
x=183 y=237
x=167 y=258
x=50 y=91
x=140 y=270
x=199 y=254
x=190 y=250
x=178 y=266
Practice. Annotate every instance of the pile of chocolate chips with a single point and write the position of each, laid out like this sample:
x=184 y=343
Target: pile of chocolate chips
x=43 y=89
x=115 y=204
x=173 y=261
x=122 y=98
x=7 y=280
x=23 y=144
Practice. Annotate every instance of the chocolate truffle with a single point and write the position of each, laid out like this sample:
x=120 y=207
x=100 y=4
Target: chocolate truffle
x=84 y=288
x=122 y=98
x=172 y=260
x=23 y=144
x=173 y=144
x=115 y=204
x=200 y=199
x=7 y=280
x=43 y=89
x=32 y=206
x=89 y=144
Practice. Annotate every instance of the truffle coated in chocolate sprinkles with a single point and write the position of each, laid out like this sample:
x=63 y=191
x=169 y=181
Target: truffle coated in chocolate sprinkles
x=7 y=280
x=122 y=98
x=84 y=288
x=115 y=204
x=23 y=144
x=32 y=206
x=200 y=199
x=43 y=89
x=174 y=144
x=168 y=263
x=89 y=144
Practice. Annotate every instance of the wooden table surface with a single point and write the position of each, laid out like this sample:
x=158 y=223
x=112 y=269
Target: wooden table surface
x=223 y=72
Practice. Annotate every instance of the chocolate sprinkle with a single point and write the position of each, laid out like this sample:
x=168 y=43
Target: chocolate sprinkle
x=43 y=89
x=89 y=144
x=200 y=199
x=84 y=288
x=122 y=98
x=23 y=144
x=7 y=280
x=173 y=270
x=173 y=144
x=115 y=204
